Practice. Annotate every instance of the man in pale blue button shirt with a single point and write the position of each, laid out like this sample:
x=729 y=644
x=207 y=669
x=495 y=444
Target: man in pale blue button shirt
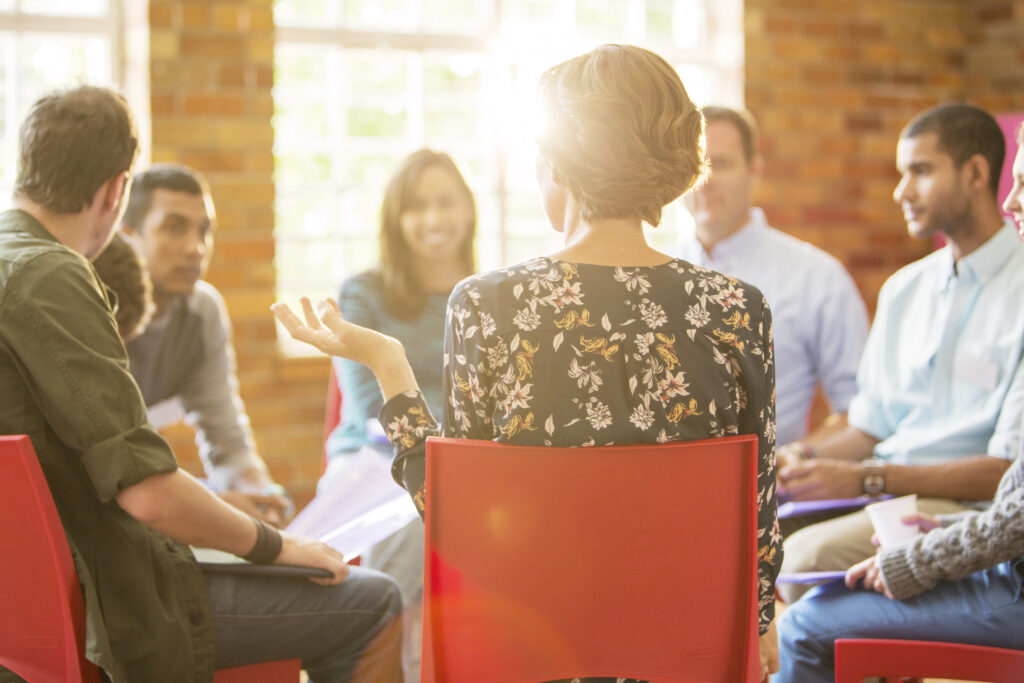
x=941 y=385
x=818 y=316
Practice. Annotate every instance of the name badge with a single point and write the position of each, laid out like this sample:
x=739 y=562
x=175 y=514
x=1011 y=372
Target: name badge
x=978 y=371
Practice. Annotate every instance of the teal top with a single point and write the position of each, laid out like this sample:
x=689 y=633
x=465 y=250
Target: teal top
x=362 y=302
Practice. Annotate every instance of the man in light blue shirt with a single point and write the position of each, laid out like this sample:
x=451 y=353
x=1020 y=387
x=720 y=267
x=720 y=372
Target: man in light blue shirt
x=941 y=386
x=819 y=319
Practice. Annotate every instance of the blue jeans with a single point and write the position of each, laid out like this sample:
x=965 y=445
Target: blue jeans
x=348 y=632
x=984 y=608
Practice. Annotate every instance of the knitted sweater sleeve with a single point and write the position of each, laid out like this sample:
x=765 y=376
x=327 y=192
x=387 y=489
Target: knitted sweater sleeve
x=977 y=541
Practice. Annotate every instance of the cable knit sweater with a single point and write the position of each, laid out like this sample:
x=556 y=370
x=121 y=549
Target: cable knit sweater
x=966 y=543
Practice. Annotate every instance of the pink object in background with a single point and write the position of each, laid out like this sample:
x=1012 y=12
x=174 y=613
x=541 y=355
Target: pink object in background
x=1009 y=123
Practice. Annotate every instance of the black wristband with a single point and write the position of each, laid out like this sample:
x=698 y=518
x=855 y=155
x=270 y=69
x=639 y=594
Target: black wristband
x=267 y=546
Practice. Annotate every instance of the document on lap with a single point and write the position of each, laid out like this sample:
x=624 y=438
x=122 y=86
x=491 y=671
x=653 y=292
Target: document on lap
x=358 y=507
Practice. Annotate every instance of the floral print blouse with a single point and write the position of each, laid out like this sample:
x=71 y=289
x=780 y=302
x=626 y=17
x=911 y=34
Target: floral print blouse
x=554 y=353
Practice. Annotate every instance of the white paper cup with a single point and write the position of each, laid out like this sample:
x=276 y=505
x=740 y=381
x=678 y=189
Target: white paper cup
x=886 y=517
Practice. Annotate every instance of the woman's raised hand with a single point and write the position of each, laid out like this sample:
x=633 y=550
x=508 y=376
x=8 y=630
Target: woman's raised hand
x=326 y=330
x=331 y=333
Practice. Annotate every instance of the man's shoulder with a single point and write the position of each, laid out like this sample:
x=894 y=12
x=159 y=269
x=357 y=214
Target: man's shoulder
x=205 y=301
x=800 y=252
x=25 y=261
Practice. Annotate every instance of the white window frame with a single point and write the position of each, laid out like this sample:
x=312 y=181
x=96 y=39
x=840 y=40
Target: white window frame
x=18 y=22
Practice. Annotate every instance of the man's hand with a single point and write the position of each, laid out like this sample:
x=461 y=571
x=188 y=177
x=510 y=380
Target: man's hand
x=306 y=552
x=820 y=479
x=768 y=648
x=272 y=509
x=871 y=573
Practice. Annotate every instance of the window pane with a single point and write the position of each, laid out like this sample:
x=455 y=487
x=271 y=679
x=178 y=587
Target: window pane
x=387 y=15
x=50 y=60
x=602 y=15
x=303 y=12
x=78 y=8
x=6 y=5
x=659 y=19
x=452 y=16
x=532 y=12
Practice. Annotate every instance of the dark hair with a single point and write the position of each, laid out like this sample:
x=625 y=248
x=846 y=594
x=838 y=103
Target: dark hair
x=123 y=270
x=742 y=121
x=621 y=132
x=964 y=130
x=70 y=143
x=173 y=177
x=403 y=295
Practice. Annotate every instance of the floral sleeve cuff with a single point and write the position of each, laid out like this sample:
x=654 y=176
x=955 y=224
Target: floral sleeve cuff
x=407 y=422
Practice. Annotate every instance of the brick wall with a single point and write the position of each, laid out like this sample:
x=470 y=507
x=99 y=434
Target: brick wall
x=831 y=82
x=211 y=72
x=995 y=60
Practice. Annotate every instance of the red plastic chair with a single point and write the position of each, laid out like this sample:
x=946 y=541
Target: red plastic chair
x=916 y=659
x=42 y=630
x=648 y=570
x=332 y=413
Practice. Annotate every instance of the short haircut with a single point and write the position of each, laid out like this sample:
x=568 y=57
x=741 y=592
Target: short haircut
x=403 y=294
x=621 y=132
x=122 y=269
x=742 y=121
x=72 y=142
x=963 y=131
x=173 y=177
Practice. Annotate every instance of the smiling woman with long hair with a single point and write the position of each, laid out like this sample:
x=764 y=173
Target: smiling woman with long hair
x=607 y=340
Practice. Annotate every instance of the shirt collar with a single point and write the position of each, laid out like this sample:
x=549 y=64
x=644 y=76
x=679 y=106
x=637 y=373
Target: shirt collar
x=985 y=261
x=17 y=219
x=738 y=247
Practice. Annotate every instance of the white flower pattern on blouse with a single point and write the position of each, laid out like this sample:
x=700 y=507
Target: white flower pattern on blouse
x=553 y=353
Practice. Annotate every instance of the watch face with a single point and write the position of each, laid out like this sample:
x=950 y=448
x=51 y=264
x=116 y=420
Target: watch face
x=874 y=484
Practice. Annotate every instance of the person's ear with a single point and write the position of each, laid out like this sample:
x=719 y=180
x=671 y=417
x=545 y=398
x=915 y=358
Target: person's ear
x=977 y=172
x=757 y=165
x=112 y=191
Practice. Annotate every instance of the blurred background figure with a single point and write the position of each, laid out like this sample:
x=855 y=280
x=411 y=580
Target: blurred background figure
x=427 y=227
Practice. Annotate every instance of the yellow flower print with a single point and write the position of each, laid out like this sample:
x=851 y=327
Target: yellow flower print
x=738 y=320
x=681 y=411
x=599 y=345
x=518 y=424
x=524 y=360
x=572 y=320
x=666 y=350
x=569 y=270
x=730 y=338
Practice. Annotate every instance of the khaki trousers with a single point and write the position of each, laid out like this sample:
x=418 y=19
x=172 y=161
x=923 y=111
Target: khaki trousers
x=839 y=543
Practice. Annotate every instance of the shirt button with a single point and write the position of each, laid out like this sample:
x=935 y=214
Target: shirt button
x=195 y=617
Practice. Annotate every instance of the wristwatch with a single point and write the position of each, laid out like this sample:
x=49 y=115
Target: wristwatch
x=874 y=476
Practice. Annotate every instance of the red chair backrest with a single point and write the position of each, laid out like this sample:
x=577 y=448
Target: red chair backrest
x=548 y=563
x=332 y=412
x=42 y=613
x=858 y=658
x=42 y=630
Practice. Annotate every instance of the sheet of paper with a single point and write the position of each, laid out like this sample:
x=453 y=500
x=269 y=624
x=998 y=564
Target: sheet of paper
x=360 y=505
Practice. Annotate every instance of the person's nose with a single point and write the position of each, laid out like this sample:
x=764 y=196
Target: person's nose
x=432 y=216
x=902 y=190
x=196 y=244
x=1012 y=203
